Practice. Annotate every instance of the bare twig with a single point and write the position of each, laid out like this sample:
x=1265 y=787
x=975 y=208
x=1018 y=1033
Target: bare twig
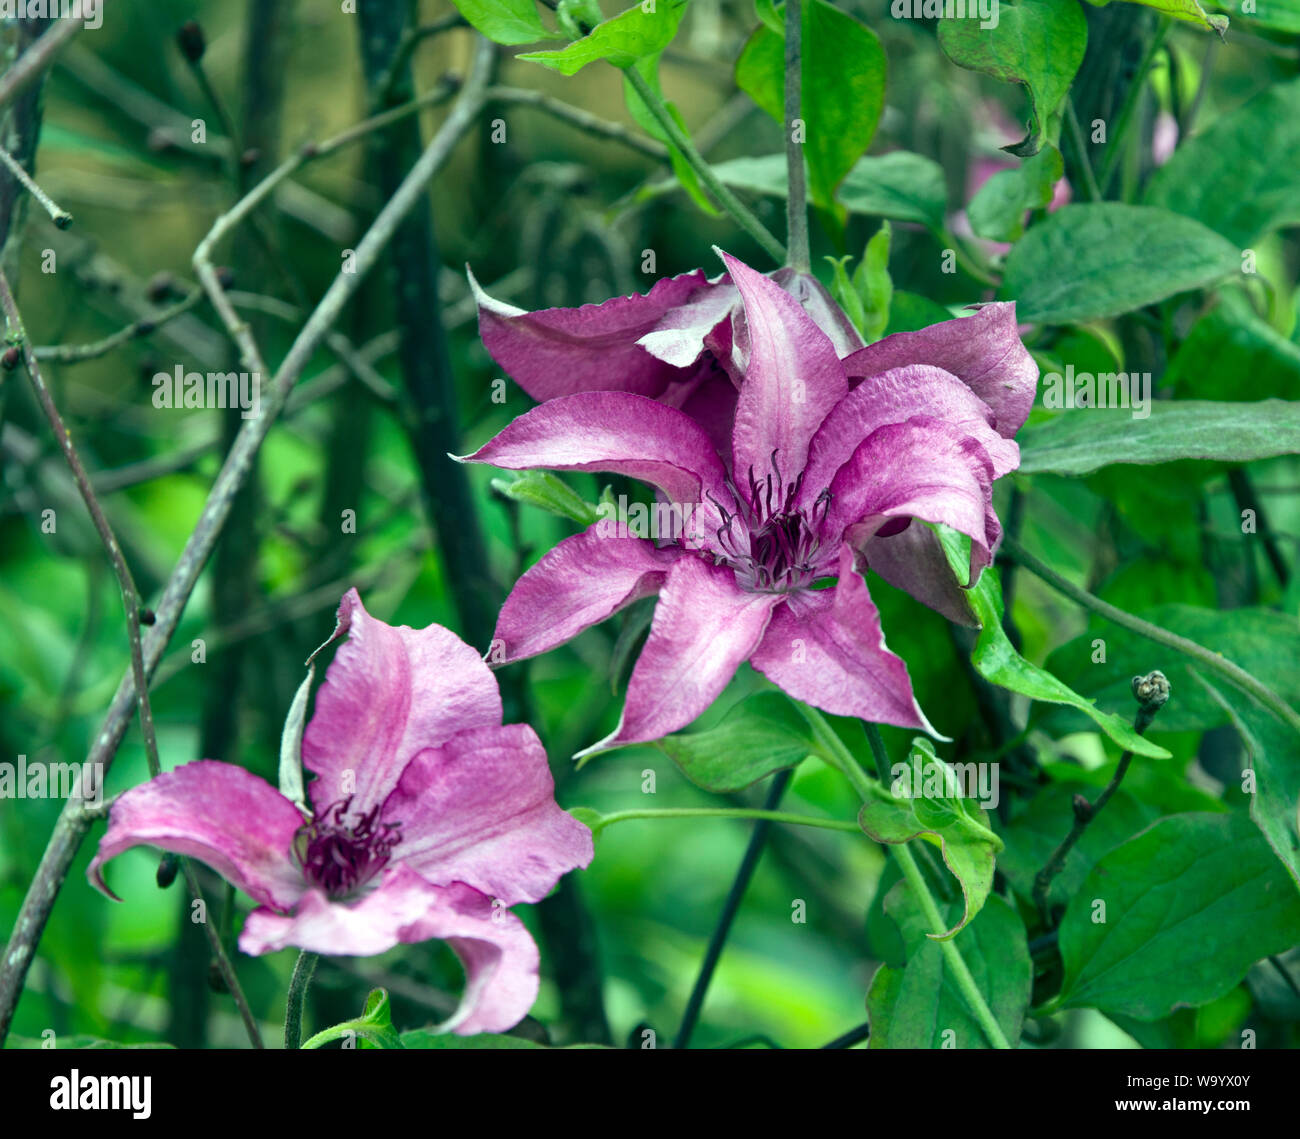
x=72 y=824
x=1151 y=692
x=796 y=237
x=35 y=59
x=78 y=353
x=57 y=213
x=583 y=120
x=130 y=601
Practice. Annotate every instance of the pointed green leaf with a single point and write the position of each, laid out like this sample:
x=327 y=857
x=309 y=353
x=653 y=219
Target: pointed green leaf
x=920 y=1006
x=1233 y=354
x=926 y=801
x=621 y=41
x=1083 y=440
x=1231 y=177
x=1189 y=905
x=996 y=659
x=506 y=21
x=550 y=493
x=1189 y=11
x=761 y=734
x=1102 y=259
x=997 y=211
x=645 y=119
x=1039 y=43
x=843 y=90
x=1273 y=749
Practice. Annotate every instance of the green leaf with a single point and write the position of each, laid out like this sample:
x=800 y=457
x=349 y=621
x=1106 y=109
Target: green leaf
x=1039 y=43
x=622 y=41
x=1260 y=641
x=925 y=801
x=873 y=284
x=645 y=119
x=846 y=296
x=574 y=15
x=842 y=94
x=506 y=21
x=910 y=312
x=373 y=1029
x=291 y=778
x=899 y=185
x=920 y=1006
x=1232 y=353
x=767 y=14
x=761 y=734
x=1189 y=11
x=1274 y=751
x=996 y=659
x=1229 y=176
x=866 y=297
x=1190 y=904
x=1280 y=15
x=997 y=211
x=1103 y=259
x=1086 y=439
x=550 y=493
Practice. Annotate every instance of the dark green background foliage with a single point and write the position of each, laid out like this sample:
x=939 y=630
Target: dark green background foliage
x=1142 y=272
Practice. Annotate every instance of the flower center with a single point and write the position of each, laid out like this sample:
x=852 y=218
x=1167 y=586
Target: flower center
x=339 y=856
x=770 y=544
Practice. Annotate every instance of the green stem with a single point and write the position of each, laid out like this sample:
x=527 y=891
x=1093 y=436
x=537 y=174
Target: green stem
x=952 y=957
x=1131 y=97
x=838 y=755
x=725 y=198
x=968 y=260
x=302 y=974
x=1081 y=153
x=796 y=202
x=723 y=813
x=1235 y=674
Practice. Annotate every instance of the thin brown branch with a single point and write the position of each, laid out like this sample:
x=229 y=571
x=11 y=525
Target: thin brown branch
x=72 y=824
x=36 y=59
x=130 y=601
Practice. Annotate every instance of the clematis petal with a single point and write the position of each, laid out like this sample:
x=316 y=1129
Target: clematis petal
x=561 y=351
x=919 y=469
x=584 y=580
x=704 y=628
x=220 y=814
x=984 y=351
x=826 y=647
x=914 y=561
x=389 y=693
x=710 y=400
x=500 y=958
x=681 y=335
x=792 y=378
x=894 y=397
x=821 y=306
x=613 y=431
x=481 y=809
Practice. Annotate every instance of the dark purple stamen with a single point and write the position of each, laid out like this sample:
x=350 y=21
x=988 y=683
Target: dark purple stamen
x=339 y=854
x=771 y=545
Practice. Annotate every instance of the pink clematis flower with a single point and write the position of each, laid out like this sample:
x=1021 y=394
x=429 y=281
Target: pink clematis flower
x=682 y=343
x=825 y=467
x=429 y=817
